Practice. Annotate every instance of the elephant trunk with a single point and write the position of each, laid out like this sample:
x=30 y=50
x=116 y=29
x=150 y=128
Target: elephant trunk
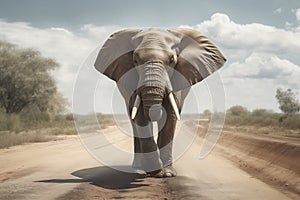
x=152 y=84
x=152 y=98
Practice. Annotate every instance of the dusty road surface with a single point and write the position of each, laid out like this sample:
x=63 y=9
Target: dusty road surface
x=63 y=169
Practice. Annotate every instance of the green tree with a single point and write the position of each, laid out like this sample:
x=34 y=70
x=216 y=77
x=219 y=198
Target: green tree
x=237 y=110
x=207 y=112
x=288 y=103
x=260 y=112
x=25 y=79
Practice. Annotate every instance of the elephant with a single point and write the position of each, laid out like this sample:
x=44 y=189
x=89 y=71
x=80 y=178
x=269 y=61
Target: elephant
x=154 y=70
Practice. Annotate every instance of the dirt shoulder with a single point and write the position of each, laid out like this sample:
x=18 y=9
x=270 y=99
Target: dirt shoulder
x=63 y=169
x=270 y=157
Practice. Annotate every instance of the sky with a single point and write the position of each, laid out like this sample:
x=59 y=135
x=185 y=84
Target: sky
x=260 y=39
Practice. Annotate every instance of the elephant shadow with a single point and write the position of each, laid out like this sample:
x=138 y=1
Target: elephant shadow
x=104 y=177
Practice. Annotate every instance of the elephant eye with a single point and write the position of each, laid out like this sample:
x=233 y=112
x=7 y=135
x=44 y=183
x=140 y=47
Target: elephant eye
x=171 y=59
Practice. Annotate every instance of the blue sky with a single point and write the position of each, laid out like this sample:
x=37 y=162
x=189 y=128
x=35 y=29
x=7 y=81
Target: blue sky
x=260 y=39
x=73 y=13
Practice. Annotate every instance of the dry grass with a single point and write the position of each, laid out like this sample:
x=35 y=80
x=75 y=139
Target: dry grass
x=69 y=130
x=14 y=132
x=268 y=130
x=12 y=138
x=264 y=119
x=8 y=139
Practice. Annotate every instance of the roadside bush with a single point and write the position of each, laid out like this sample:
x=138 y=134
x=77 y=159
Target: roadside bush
x=8 y=139
x=239 y=116
x=33 y=119
x=206 y=113
x=69 y=117
x=238 y=111
x=105 y=120
x=32 y=126
x=10 y=122
x=261 y=112
x=292 y=122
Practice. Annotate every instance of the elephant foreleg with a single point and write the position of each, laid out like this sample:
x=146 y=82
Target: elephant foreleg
x=146 y=155
x=165 y=141
x=166 y=135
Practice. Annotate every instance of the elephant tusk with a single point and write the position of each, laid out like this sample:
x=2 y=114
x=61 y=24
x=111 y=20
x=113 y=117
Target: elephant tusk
x=136 y=105
x=174 y=105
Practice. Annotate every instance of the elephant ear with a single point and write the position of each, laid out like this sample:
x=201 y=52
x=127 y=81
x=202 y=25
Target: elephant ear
x=116 y=55
x=198 y=58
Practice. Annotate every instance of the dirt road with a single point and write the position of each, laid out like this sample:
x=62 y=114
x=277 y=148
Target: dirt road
x=63 y=169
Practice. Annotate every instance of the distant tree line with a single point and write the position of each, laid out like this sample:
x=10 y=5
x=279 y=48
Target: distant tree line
x=289 y=118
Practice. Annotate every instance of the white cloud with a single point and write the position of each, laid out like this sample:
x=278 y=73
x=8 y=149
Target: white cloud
x=68 y=48
x=252 y=37
x=252 y=93
x=264 y=66
x=277 y=11
x=288 y=25
x=98 y=32
x=253 y=82
x=297 y=13
x=258 y=59
x=258 y=55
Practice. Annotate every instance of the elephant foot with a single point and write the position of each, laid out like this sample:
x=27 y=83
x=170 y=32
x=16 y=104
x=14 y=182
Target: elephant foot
x=169 y=171
x=166 y=172
x=156 y=174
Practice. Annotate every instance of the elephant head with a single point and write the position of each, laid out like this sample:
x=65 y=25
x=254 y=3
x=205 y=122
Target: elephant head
x=152 y=56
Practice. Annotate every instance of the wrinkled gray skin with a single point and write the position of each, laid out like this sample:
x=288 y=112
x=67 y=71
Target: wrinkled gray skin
x=152 y=64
